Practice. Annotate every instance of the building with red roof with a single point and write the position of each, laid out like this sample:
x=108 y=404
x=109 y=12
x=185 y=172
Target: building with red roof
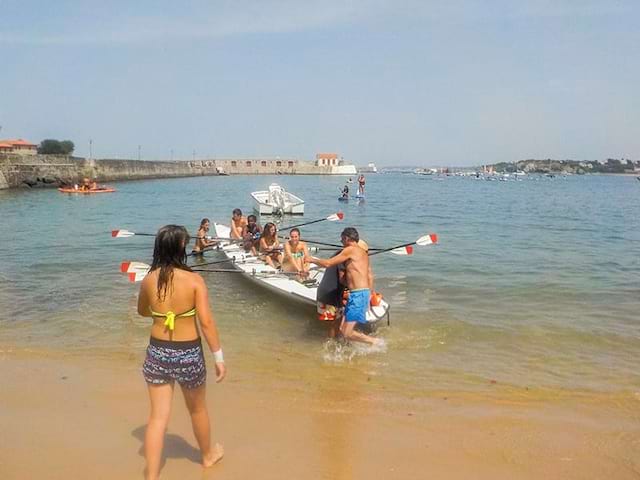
x=19 y=146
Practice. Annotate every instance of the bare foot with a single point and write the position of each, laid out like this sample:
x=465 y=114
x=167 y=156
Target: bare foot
x=216 y=454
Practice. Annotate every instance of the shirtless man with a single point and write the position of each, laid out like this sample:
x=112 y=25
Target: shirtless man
x=356 y=262
x=202 y=242
x=238 y=222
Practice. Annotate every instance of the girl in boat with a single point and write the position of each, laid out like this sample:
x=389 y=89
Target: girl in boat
x=295 y=252
x=270 y=246
x=175 y=349
x=203 y=240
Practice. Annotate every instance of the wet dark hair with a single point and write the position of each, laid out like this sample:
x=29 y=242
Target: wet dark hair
x=252 y=217
x=294 y=230
x=203 y=221
x=169 y=252
x=351 y=233
x=236 y=211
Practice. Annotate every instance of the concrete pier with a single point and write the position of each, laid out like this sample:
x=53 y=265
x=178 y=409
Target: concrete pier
x=54 y=170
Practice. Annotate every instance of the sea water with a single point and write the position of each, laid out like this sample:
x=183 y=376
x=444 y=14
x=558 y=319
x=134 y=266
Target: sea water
x=534 y=285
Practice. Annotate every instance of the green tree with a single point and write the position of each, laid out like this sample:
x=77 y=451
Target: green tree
x=55 y=147
x=67 y=147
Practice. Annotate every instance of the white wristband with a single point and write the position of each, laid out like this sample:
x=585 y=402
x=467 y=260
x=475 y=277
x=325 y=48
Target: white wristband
x=218 y=357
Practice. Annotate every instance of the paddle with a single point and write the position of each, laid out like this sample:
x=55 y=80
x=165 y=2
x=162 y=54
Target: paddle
x=406 y=248
x=331 y=218
x=127 y=233
x=136 y=271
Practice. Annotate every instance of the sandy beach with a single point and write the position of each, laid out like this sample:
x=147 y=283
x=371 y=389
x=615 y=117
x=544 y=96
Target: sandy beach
x=69 y=417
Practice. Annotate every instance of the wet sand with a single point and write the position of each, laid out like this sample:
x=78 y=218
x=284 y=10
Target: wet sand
x=67 y=417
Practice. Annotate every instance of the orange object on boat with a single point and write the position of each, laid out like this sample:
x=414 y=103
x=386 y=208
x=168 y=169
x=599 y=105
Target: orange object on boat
x=376 y=299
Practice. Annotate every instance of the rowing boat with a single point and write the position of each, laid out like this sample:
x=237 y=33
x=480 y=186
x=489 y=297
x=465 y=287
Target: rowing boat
x=86 y=192
x=305 y=292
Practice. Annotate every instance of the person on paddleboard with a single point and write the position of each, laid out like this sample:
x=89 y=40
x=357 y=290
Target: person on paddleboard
x=361 y=182
x=203 y=240
x=345 y=191
x=356 y=263
x=238 y=222
x=295 y=252
x=175 y=352
x=251 y=235
x=270 y=248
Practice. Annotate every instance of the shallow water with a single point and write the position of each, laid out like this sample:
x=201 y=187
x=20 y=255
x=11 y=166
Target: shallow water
x=534 y=286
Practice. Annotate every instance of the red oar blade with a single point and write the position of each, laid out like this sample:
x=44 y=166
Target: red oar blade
x=427 y=240
x=121 y=233
x=408 y=250
x=336 y=217
x=136 y=276
x=133 y=267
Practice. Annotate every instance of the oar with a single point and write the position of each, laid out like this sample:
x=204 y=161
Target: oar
x=139 y=270
x=331 y=218
x=333 y=245
x=127 y=233
x=406 y=248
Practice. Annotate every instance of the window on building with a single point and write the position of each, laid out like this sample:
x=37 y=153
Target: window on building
x=248 y=163
x=290 y=163
x=234 y=163
x=278 y=163
x=263 y=163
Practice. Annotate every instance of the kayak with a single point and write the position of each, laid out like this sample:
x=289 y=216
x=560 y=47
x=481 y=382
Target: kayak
x=306 y=292
x=96 y=190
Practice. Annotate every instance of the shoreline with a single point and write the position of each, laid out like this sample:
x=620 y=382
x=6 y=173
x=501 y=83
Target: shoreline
x=72 y=413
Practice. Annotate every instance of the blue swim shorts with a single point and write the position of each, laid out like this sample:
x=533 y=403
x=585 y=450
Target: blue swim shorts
x=357 y=306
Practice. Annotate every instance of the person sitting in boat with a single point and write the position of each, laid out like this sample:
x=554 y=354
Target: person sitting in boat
x=94 y=185
x=203 y=240
x=345 y=191
x=295 y=252
x=361 y=183
x=251 y=235
x=238 y=222
x=86 y=184
x=270 y=250
x=356 y=263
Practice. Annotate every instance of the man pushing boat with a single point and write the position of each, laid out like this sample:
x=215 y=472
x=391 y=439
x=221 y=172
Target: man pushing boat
x=356 y=263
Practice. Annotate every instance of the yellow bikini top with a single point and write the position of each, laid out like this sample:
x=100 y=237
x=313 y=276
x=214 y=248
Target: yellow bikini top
x=170 y=317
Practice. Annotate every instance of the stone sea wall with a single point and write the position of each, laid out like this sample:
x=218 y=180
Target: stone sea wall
x=54 y=170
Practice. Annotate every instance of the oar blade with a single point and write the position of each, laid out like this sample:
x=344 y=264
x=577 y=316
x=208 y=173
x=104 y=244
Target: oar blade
x=121 y=233
x=137 y=276
x=336 y=217
x=408 y=250
x=429 y=239
x=132 y=267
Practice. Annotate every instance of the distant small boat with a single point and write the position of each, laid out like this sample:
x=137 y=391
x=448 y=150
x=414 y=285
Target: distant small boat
x=277 y=201
x=86 y=192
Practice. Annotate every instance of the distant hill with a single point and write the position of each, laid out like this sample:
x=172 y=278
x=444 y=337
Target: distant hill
x=611 y=165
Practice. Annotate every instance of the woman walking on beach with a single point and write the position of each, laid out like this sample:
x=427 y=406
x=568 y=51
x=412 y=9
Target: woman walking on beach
x=175 y=348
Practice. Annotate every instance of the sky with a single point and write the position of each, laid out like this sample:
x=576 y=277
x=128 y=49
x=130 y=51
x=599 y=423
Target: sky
x=395 y=82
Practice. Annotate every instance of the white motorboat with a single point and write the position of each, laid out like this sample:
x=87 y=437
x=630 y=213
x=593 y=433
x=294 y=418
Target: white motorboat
x=284 y=283
x=277 y=201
